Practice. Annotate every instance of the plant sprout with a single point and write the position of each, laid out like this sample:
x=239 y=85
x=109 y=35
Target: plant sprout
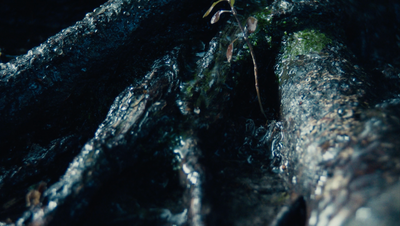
x=251 y=25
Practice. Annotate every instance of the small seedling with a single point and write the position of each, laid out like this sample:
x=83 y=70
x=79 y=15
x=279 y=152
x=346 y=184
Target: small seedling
x=251 y=25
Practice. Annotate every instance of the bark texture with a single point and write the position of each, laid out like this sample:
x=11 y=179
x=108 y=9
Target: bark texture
x=153 y=126
x=80 y=61
x=336 y=139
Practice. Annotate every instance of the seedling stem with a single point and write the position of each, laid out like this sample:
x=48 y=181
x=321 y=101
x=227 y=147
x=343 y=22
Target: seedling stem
x=252 y=20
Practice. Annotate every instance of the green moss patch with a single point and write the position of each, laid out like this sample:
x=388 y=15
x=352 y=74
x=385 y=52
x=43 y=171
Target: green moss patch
x=305 y=42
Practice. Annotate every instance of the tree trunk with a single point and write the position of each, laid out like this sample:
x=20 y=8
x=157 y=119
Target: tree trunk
x=340 y=149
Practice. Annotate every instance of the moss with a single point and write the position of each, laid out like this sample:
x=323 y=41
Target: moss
x=304 y=42
x=299 y=43
x=264 y=18
x=188 y=90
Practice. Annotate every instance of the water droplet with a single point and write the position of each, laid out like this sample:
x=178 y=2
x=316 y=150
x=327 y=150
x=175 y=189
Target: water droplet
x=58 y=51
x=185 y=169
x=340 y=112
x=250 y=159
x=52 y=205
x=193 y=177
x=124 y=107
x=342 y=138
x=294 y=180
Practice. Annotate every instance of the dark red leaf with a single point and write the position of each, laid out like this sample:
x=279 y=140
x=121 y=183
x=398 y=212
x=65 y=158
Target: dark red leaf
x=229 y=52
x=215 y=18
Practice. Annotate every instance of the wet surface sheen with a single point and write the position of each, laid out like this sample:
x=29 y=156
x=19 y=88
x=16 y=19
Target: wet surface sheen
x=133 y=116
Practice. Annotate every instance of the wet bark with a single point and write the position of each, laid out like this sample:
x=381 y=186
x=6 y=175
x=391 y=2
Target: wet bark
x=340 y=149
x=132 y=117
x=337 y=147
x=185 y=142
x=54 y=97
x=83 y=60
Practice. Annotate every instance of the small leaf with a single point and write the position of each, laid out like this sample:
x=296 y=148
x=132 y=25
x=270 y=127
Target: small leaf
x=251 y=24
x=212 y=7
x=215 y=18
x=232 y=2
x=229 y=51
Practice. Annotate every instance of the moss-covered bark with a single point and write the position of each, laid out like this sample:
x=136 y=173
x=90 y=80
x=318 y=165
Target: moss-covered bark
x=326 y=100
